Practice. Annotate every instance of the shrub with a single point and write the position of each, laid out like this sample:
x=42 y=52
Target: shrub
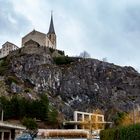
x=51 y=50
x=27 y=90
x=119 y=117
x=3 y=66
x=29 y=123
x=130 y=132
x=61 y=52
x=18 y=108
x=63 y=60
x=52 y=116
x=12 y=79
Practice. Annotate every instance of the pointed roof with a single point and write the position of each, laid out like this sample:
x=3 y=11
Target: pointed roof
x=51 y=29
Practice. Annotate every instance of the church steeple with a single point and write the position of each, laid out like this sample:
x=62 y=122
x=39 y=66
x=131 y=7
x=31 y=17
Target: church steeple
x=51 y=33
x=51 y=29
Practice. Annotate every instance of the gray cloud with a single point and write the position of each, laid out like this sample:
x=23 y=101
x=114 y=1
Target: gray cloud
x=114 y=31
x=12 y=24
x=103 y=28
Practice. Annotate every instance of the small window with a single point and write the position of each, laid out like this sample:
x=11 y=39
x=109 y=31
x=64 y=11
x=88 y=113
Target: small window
x=100 y=119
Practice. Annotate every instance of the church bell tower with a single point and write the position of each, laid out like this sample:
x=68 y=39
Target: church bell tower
x=51 y=33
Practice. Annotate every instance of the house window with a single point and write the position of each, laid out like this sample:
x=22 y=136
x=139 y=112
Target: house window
x=100 y=119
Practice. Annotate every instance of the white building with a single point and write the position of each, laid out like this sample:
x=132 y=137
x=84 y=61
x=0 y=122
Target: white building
x=7 y=47
x=8 y=131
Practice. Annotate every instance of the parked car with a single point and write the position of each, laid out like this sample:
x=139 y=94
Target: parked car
x=25 y=136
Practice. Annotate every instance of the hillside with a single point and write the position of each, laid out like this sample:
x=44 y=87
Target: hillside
x=70 y=83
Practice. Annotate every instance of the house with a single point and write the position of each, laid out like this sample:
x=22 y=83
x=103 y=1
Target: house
x=7 y=47
x=8 y=131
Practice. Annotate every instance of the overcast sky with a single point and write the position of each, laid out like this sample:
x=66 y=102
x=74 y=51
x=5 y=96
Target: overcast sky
x=104 y=28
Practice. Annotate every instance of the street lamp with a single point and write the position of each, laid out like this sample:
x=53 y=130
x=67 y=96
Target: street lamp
x=90 y=129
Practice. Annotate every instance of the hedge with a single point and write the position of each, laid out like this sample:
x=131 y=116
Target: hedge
x=63 y=60
x=131 y=132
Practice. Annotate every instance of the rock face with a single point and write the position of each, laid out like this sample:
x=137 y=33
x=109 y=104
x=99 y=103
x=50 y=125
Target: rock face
x=83 y=84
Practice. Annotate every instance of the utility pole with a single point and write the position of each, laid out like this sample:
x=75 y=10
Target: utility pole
x=2 y=112
x=90 y=129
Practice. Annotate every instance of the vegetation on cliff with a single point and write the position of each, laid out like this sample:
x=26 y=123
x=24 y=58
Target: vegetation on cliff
x=71 y=82
x=130 y=132
x=18 y=108
x=4 y=66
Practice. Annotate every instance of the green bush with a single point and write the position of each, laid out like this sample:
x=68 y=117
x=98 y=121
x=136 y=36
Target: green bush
x=27 y=90
x=29 y=123
x=61 y=52
x=63 y=60
x=119 y=117
x=12 y=79
x=52 y=116
x=110 y=133
x=51 y=50
x=18 y=108
x=131 y=132
x=3 y=66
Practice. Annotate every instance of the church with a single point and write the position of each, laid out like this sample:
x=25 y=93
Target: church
x=32 y=38
x=47 y=40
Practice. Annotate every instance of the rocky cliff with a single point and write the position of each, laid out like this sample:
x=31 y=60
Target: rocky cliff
x=77 y=84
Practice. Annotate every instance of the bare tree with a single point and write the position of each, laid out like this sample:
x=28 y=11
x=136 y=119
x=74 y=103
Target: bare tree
x=104 y=59
x=84 y=54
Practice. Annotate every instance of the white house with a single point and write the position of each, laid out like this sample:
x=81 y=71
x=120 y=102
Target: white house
x=7 y=47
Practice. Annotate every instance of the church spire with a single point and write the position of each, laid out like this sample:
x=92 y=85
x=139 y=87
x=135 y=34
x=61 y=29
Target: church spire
x=51 y=33
x=51 y=28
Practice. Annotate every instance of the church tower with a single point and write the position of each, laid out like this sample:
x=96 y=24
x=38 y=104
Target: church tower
x=51 y=33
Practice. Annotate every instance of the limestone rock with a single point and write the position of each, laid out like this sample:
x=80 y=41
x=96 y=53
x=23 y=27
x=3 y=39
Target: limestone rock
x=83 y=84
